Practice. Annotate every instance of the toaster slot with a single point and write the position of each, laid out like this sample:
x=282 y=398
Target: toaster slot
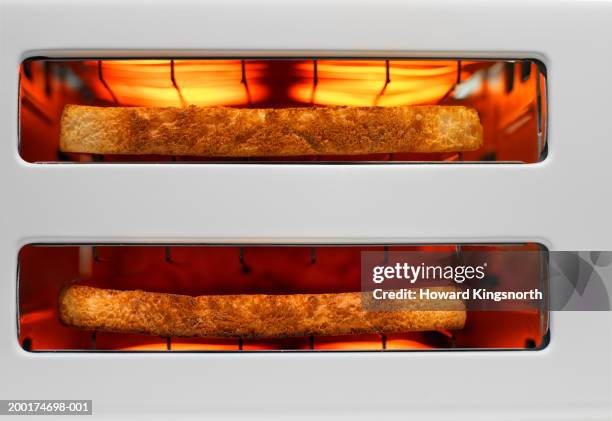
x=291 y=110
x=173 y=298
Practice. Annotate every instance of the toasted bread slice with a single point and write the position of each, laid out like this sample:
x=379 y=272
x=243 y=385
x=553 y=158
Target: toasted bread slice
x=248 y=316
x=267 y=132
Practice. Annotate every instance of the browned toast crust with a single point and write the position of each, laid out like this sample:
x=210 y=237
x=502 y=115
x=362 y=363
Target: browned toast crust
x=248 y=316
x=267 y=132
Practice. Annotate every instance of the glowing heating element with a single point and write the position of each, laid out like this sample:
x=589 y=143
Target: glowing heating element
x=175 y=83
x=509 y=97
x=208 y=270
x=380 y=83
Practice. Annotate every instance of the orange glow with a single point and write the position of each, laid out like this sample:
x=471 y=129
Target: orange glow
x=350 y=343
x=364 y=83
x=414 y=340
x=200 y=270
x=399 y=344
x=138 y=82
x=197 y=344
x=105 y=341
x=37 y=316
x=196 y=82
x=218 y=82
x=504 y=93
x=298 y=343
